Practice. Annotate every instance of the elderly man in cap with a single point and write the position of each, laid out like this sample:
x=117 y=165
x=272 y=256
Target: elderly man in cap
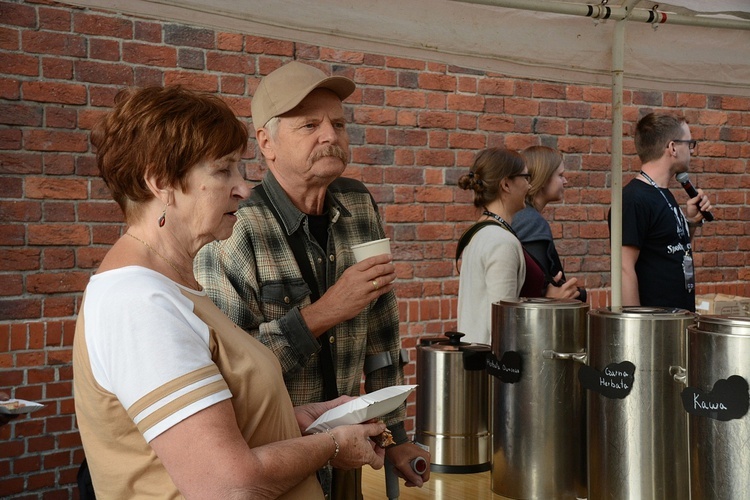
x=287 y=275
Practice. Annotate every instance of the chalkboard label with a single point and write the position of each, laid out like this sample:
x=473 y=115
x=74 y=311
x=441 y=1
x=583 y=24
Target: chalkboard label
x=507 y=369
x=729 y=399
x=614 y=382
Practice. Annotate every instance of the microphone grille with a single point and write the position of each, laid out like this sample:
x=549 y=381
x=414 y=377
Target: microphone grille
x=682 y=177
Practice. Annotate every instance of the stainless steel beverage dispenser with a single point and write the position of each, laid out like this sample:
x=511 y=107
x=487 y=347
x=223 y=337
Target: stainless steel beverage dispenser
x=637 y=440
x=717 y=400
x=538 y=423
x=453 y=403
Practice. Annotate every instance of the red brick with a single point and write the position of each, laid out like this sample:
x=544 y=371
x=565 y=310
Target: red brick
x=19 y=259
x=90 y=257
x=109 y=26
x=404 y=176
x=375 y=76
x=9 y=88
x=147 y=31
x=374 y=116
x=19 y=64
x=396 y=213
x=58 y=164
x=549 y=126
x=229 y=63
x=59 y=356
x=18 y=15
x=57 y=117
x=54 y=19
x=494 y=86
x=105 y=234
x=99 y=212
x=48 y=140
x=341 y=56
x=58 y=212
x=58 y=282
x=269 y=47
x=229 y=41
x=434 y=119
x=150 y=55
x=462 y=102
x=176 y=34
x=515 y=106
x=11 y=309
x=405 y=99
x=9 y=39
x=105 y=73
x=20 y=211
x=232 y=85
x=11 y=139
x=467 y=141
x=58 y=258
x=496 y=123
x=372 y=155
x=407 y=137
x=58 y=234
x=11 y=187
x=56 y=188
x=195 y=81
x=61 y=93
x=51 y=43
x=21 y=115
x=573 y=110
x=104 y=50
x=735 y=103
x=435 y=158
x=436 y=101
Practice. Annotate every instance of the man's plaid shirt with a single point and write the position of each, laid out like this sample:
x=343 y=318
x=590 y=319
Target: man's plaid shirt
x=254 y=278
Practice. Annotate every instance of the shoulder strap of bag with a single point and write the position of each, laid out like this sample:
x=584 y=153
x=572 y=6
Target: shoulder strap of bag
x=468 y=235
x=297 y=244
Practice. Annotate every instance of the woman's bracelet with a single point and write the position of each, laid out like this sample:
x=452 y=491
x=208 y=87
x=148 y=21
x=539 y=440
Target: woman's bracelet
x=335 y=444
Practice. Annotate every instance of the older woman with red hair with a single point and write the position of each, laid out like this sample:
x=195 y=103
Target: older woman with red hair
x=173 y=399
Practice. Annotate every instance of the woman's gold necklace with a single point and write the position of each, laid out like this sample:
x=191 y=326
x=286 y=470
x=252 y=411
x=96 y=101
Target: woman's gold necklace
x=190 y=284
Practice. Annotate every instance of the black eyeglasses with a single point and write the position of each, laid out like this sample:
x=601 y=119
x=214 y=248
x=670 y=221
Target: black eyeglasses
x=527 y=176
x=690 y=142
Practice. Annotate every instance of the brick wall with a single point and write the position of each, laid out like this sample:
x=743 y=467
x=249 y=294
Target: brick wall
x=416 y=127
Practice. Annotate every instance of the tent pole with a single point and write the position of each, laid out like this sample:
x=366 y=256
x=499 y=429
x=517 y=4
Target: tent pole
x=618 y=69
x=618 y=45
x=596 y=10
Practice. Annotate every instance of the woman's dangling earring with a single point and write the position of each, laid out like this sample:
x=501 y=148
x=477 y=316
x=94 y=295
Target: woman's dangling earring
x=163 y=218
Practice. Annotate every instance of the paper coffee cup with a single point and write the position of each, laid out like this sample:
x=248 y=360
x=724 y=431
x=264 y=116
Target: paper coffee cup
x=371 y=249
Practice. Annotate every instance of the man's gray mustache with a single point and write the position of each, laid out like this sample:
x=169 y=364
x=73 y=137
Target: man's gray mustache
x=335 y=151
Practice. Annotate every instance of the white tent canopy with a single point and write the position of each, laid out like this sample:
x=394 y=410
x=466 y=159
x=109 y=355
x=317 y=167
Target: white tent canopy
x=526 y=38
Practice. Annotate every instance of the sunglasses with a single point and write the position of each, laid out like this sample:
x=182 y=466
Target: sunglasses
x=527 y=176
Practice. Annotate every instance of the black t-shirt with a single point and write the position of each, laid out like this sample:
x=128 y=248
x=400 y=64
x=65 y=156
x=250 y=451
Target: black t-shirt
x=650 y=224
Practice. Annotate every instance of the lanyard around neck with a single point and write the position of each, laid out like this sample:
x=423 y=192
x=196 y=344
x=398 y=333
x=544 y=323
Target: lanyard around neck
x=680 y=223
x=501 y=221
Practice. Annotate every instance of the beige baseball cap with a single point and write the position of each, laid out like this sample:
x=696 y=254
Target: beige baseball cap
x=282 y=89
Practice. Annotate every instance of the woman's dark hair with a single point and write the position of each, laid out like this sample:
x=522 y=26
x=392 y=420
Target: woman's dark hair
x=490 y=167
x=164 y=132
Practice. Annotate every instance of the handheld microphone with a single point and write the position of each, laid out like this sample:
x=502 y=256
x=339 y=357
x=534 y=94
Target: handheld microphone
x=683 y=179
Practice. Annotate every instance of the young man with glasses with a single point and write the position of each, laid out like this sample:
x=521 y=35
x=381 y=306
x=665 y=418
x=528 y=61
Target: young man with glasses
x=657 y=262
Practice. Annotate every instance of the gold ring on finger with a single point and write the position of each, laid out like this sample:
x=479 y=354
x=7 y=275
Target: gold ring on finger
x=375 y=284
